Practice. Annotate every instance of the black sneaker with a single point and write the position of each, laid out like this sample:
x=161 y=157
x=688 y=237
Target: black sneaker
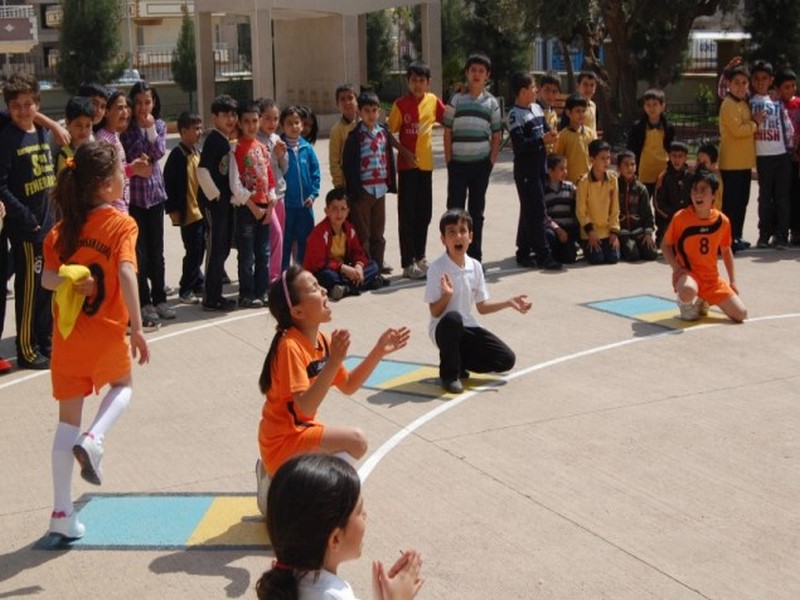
x=763 y=242
x=38 y=363
x=453 y=387
x=549 y=264
x=780 y=242
x=222 y=305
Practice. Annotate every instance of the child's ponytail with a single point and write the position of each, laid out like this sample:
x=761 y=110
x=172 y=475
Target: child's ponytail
x=281 y=299
x=277 y=584
x=76 y=189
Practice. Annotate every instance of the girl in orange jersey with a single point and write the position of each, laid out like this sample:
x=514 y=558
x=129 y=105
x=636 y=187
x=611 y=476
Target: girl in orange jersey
x=90 y=261
x=301 y=366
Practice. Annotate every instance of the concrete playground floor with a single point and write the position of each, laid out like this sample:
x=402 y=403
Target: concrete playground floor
x=625 y=456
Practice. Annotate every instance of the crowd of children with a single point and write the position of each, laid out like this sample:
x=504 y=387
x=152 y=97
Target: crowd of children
x=100 y=243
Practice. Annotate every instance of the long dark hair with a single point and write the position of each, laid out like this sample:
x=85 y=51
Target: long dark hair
x=112 y=97
x=76 y=188
x=309 y=497
x=282 y=296
x=142 y=86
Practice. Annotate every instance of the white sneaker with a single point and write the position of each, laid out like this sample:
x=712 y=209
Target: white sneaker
x=338 y=292
x=422 y=263
x=67 y=526
x=689 y=311
x=702 y=307
x=413 y=271
x=165 y=311
x=262 y=487
x=89 y=453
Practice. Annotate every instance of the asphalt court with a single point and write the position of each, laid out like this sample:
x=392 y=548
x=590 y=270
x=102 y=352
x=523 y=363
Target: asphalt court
x=624 y=456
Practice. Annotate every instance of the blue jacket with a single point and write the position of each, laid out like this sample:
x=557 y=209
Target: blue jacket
x=302 y=176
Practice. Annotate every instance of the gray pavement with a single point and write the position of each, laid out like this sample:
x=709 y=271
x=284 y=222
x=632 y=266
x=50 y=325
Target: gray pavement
x=620 y=459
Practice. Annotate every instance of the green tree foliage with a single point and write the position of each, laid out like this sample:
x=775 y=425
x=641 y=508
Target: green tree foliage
x=184 y=61
x=379 y=48
x=774 y=27
x=89 y=41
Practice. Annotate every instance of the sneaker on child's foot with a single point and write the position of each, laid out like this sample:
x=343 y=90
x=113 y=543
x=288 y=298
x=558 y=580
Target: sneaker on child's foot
x=5 y=366
x=422 y=263
x=702 y=307
x=262 y=487
x=150 y=319
x=188 y=298
x=165 y=311
x=66 y=526
x=453 y=387
x=89 y=452
x=413 y=271
x=338 y=292
x=689 y=311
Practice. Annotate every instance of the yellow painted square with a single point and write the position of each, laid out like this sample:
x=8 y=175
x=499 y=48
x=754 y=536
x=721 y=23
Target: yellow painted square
x=424 y=381
x=231 y=521
x=670 y=319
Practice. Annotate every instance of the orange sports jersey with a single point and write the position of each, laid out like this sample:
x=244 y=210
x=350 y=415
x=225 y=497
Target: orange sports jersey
x=697 y=241
x=107 y=239
x=284 y=431
x=414 y=120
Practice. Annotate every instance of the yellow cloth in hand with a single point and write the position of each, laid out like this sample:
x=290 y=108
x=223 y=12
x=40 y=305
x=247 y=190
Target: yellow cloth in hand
x=68 y=300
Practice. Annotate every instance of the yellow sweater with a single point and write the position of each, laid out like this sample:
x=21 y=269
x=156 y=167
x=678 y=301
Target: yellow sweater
x=575 y=146
x=597 y=205
x=339 y=133
x=737 y=144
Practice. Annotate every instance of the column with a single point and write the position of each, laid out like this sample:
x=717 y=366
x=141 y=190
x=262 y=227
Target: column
x=432 y=43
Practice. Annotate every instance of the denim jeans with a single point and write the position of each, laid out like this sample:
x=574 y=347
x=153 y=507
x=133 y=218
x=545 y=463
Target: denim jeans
x=252 y=245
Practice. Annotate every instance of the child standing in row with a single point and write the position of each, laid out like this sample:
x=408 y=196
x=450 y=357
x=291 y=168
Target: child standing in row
x=695 y=238
x=27 y=174
x=78 y=115
x=472 y=126
x=786 y=84
x=597 y=207
x=96 y=296
x=413 y=117
x=279 y=161
x=215 y=200
x=651 y=138
x=253 y=197
x=455 y=282
x=774 y=139
x=347 y=103
x=300 y=368
x=573 y=141
x=316 y=521
x=672 y=188
x=369 y=172
x=302 y=186
x=183 y=208
x=146 y=137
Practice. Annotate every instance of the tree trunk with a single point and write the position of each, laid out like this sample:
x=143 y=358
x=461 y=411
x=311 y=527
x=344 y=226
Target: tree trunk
x=623 y=89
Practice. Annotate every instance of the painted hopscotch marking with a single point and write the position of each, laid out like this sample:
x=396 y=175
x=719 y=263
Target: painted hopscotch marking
x=654 y=310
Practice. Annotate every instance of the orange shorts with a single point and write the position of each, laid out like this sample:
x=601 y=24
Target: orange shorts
x=713 y=291
x=71 y=378
x=278 y=450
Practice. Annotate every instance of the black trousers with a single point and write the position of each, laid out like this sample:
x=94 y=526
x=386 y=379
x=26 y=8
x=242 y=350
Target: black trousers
x=470 y=179
x=532 y=217
x=774 y=194
x=31 y=302
x=735 y=196
x=194 y=246
x=150 y=253
x=219 y=222
x=414 y=211
x=469 y=349
x=794 y=201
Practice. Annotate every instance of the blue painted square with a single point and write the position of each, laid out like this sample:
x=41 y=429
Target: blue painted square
x=385 y=371
x=141 y=520
x=633 y=306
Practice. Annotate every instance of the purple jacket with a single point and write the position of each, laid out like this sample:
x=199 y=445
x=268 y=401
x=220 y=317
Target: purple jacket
x=146 y=192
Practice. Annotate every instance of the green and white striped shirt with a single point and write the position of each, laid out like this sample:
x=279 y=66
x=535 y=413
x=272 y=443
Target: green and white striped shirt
x=473 y=120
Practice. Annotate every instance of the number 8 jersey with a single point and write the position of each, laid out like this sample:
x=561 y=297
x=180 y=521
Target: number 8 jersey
x=697 y=241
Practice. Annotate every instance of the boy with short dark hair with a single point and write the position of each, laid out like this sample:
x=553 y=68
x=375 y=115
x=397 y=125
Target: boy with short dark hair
x=472 y=126
x=786 y=84
x=180 y=181
x=597 y=207
x=707 y=156
x=651 y=138
x=529 y=134
x=549 y=89
x=774 y=139
x=672 y=188
x=78 y=116
x=455 y=282
x=369 y=172
x=215 y=200
x=335 y=255
x=574 y=139
x=27 y=175
x=98 y=96
x=346 y=102
x=697 y=235
x=636 y=225
x=413 y=117
x=559 y=200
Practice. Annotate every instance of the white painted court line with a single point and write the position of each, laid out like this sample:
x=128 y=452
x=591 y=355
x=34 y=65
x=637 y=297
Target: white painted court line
x=376 y=457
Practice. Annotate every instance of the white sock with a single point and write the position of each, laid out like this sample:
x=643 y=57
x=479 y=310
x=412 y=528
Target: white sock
x=63 y=462
x=111 y=408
